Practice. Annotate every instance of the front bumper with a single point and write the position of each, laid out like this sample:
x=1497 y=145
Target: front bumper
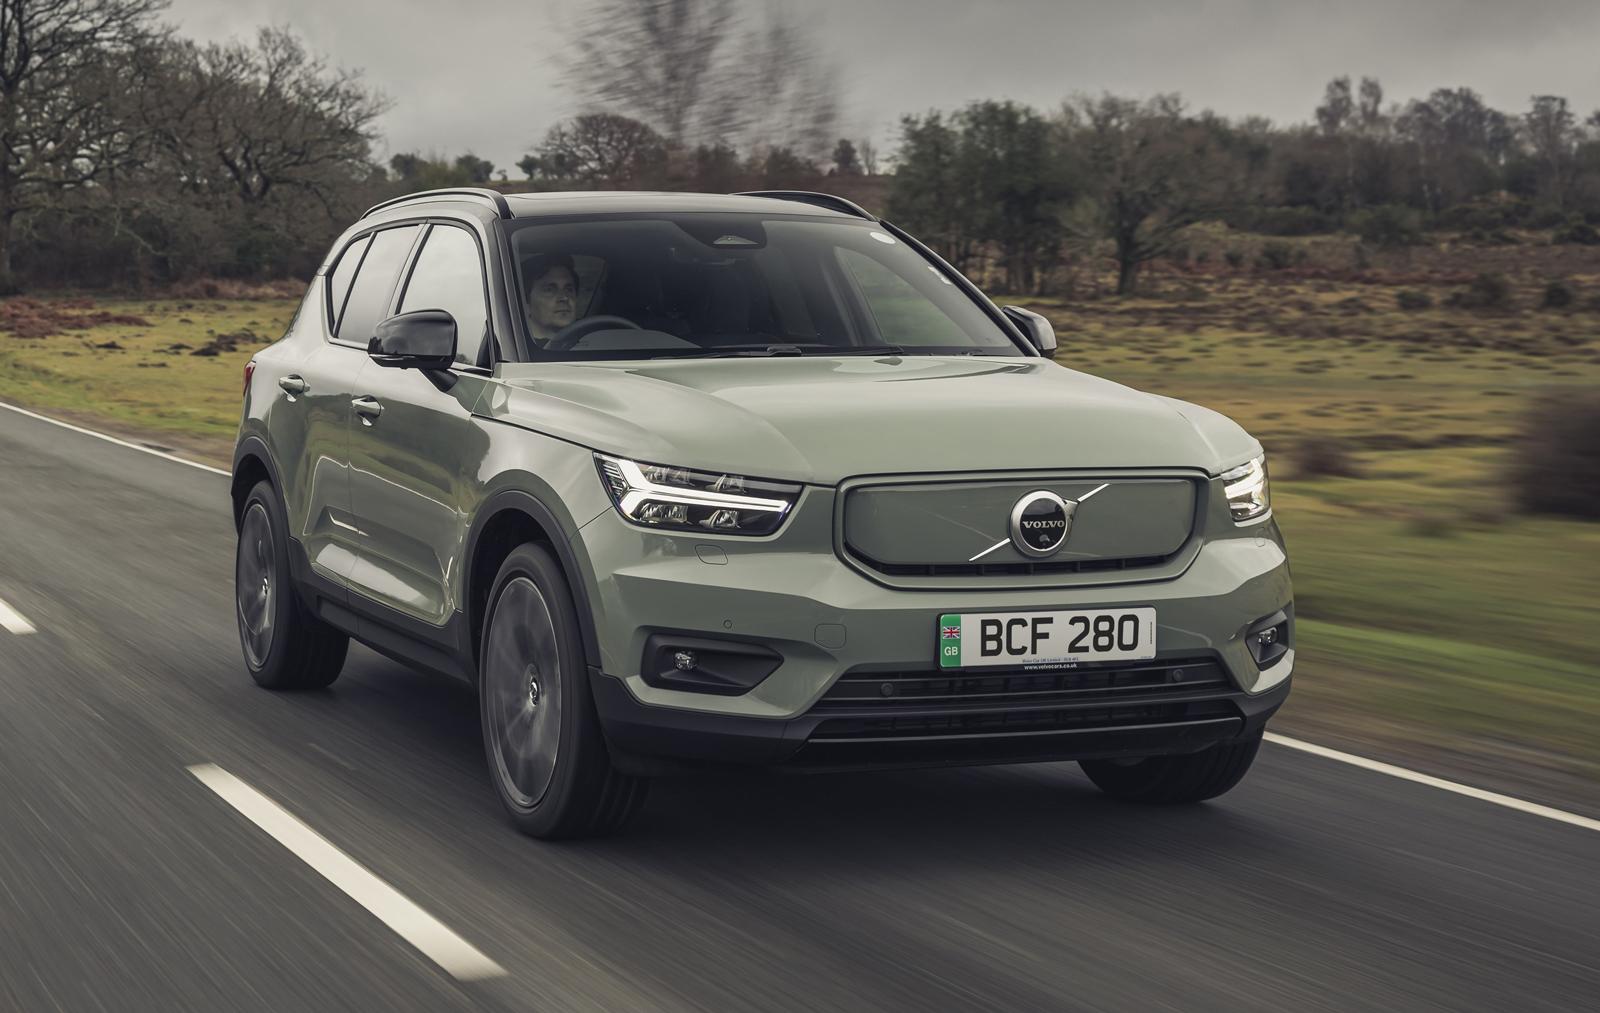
x=831 y=625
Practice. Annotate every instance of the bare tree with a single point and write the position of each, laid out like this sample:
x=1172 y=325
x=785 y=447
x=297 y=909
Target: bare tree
x=253 y=119
x=700 y=72
x=869 y=157
x=1152 y=171
x=655 y=61
x=781 y=62
x=600 y=150
x=1553 y=136
x=62 y=65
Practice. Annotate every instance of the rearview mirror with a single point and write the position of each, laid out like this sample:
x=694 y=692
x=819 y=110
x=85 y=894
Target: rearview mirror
x=1035 y=328
x=422 y=339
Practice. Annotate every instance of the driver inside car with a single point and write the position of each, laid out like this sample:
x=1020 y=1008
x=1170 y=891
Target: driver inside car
x=552 y=287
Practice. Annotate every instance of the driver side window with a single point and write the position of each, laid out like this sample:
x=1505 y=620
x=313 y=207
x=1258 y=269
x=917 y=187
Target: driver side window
x=449 y=276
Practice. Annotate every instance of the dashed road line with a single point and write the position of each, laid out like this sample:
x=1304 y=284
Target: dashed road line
x=14 y=621
x=390 y=906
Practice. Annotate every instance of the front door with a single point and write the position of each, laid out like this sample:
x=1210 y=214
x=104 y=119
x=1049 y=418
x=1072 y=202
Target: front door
x=415 y=447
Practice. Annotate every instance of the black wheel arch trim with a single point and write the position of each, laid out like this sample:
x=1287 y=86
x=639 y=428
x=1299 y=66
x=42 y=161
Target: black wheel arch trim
x=252 y=445
x=559 y=543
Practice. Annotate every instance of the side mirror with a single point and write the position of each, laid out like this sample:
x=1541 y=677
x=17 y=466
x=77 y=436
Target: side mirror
x=422 y=339
x=1036 y=328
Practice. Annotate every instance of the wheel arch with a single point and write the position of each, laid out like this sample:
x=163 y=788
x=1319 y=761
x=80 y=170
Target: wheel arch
x=252 y=462
x=506 y=520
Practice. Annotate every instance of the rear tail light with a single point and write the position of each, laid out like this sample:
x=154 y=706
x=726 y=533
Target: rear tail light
x=249 y=371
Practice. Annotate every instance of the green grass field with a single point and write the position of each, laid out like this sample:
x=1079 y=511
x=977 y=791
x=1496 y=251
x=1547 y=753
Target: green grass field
x=1439 y=627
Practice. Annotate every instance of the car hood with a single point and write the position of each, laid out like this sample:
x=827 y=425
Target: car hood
x=823 y=419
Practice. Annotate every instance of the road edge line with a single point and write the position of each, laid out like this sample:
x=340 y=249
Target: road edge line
x=419 y=928
x=1482 y=795
x=113 y=439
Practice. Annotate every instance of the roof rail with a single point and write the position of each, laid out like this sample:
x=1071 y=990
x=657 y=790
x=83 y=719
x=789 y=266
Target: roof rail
x=821 y=200
x=495 y=197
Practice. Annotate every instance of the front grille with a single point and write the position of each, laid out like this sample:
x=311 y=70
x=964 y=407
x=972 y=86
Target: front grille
x=898 y=690
x=1010 y=569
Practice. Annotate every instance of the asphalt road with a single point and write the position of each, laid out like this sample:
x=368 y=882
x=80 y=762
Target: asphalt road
x=125 y=883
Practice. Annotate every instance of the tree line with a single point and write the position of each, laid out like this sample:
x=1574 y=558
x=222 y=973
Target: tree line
x=131 y=156
x=1008 y=188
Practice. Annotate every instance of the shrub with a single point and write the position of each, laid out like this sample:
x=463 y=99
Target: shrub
x=1413 y=299
x=1558 y=295
x=1485 y=215
x=1235 y=258
x=1388 y=226
x=1577 y=232
x=1555 y=462
x=1485 y=292
x=1547 y=217
x=1275 y=255
x=1322 y=457
x=1286 y=221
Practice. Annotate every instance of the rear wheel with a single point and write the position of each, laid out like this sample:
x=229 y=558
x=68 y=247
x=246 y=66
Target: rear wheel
x=547 y=755
x=285 y=645
x=1193 y=777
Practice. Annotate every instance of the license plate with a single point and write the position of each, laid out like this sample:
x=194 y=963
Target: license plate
x=978 y=639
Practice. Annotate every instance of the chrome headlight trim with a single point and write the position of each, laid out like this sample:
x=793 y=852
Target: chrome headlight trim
x=665 y=497
x=1246 y=487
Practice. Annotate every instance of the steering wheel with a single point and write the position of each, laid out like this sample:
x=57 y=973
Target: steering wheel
x=576 y=331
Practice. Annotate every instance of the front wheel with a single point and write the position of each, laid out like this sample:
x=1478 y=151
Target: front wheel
x=1193 y=777
x=547 y=755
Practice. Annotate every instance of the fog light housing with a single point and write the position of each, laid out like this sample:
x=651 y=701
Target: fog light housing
x=1267 y=639
x=697 y=665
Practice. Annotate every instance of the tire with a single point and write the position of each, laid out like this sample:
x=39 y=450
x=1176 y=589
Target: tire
x=546 y=753
x=285 y=646
x=1194 y=777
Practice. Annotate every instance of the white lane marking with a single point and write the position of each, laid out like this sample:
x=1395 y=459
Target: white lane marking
x=1532 y=808
x=113 y=439
x=391 y=907
x=990 y=549
x=14 y=621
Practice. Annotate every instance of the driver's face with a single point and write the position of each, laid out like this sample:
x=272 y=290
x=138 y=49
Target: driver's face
x=553 y=300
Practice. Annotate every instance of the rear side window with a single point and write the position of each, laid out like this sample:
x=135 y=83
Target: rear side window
x=368 y=302
x=339 y=280
x=449 y=276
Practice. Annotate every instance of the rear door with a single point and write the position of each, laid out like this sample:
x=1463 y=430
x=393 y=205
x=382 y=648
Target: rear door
x=415 y=449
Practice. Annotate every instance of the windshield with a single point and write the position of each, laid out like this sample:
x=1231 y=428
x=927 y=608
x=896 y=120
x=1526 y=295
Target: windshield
x=706 y=285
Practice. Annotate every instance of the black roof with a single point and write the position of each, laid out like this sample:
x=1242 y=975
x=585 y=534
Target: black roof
x=530 y=205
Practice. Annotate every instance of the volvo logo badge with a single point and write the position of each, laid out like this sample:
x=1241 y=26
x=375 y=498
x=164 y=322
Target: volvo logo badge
x=1040 y=523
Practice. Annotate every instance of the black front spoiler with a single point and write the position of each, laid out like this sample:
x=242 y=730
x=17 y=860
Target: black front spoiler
x=646 y=739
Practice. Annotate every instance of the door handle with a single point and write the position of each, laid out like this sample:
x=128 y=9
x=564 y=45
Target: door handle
x=293 y=384
x=368 y=408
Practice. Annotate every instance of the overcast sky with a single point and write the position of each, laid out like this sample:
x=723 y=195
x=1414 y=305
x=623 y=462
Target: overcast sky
x=482 y=74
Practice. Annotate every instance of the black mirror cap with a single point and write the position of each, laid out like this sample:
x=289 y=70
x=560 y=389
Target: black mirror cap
x=1037 y=329
x=421 y=339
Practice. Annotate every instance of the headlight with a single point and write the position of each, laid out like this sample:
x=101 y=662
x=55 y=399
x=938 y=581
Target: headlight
x=1246 y=489
x=658 y=496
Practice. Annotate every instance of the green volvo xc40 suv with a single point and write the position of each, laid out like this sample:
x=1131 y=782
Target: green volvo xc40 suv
x=687 y=481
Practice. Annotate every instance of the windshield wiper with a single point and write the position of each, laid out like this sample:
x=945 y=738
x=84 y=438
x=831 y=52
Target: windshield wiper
x=746 y=351
x=867 y=350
